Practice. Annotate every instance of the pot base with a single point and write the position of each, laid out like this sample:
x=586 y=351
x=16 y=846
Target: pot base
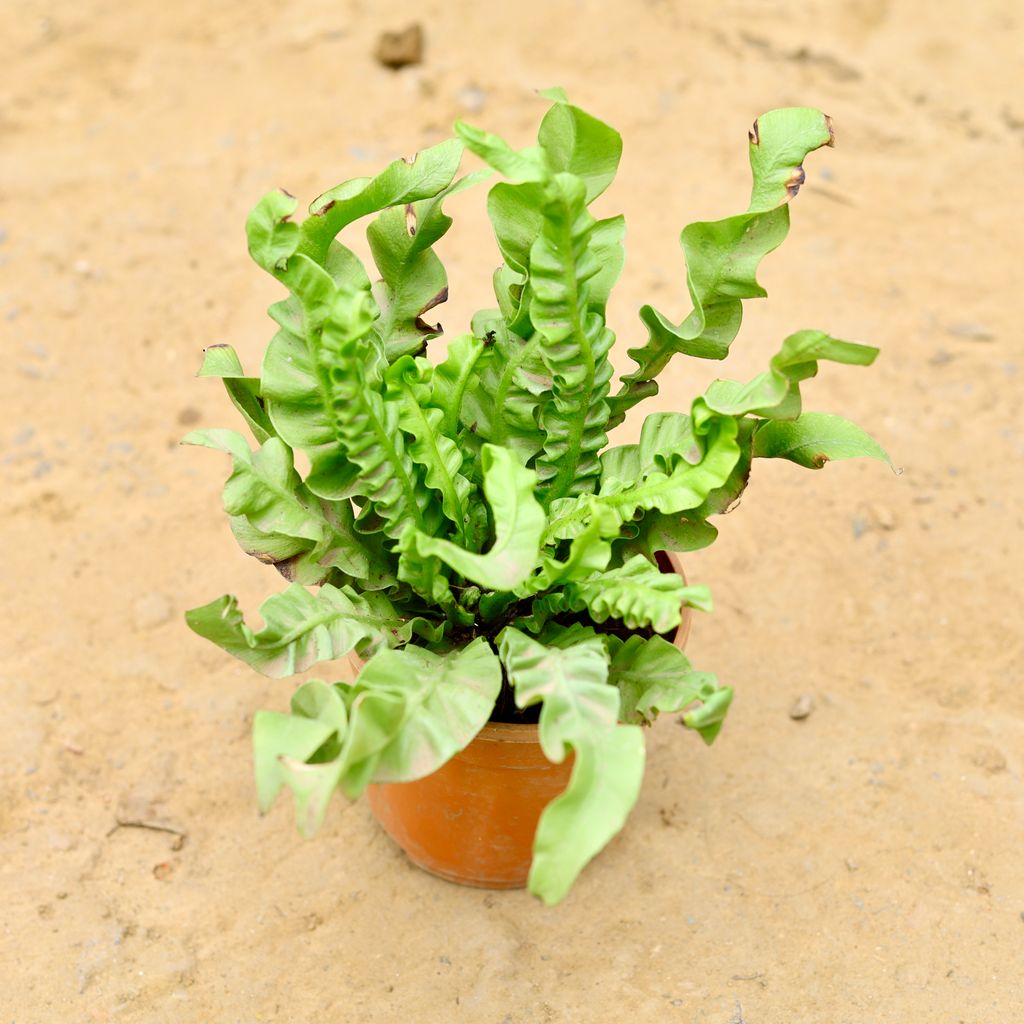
x=473 y=820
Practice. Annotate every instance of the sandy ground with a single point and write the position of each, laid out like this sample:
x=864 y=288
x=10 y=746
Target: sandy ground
x=861 y=866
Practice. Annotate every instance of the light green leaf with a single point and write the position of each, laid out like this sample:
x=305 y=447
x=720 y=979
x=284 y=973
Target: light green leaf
x=637 y=594
x=222 y=361
x=606 y=243
x=519 y=524
x=273 y=238
x=401 y=182
x=722 y=256
x=656 y=532
x=686 y=487
x=776 y=393
x=425 y=573
x=706 y=720
x=516 y=213
x=579 y=712
x=518 y=166
x=655 y=676
x=575 y=346
x=603 y=788
x=301 y=628
x=318 y=713
x=333 y=405
x=580 y=144
x=408 y=383
x=413 y=279
x=404 y=717
x=448 y=701
x=814 y=439
x=501 y=408
x=452 y=377
x=265 y=489
x=666 y=439
x=589 y=552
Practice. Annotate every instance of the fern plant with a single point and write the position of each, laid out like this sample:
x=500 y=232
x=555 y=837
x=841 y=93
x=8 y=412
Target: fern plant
x=467 y=529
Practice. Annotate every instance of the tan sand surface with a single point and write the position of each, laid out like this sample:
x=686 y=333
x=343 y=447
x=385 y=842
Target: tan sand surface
x=861 y=866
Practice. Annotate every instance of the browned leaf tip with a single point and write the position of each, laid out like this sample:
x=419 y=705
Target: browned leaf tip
x=831 y=131
x=754 y=135
x=441 y=296
x=400 y=49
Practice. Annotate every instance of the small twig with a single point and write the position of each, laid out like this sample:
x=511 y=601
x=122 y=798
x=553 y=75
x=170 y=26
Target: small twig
x=151 y=826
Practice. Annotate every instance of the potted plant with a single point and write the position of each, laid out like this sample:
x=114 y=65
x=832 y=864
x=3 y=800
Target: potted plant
x=471 y=536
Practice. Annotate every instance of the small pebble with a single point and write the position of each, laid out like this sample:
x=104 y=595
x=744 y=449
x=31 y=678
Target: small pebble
x=802 y=707
x=400 y=49
x=152 y=610
x=882 y=517
x=990 y=759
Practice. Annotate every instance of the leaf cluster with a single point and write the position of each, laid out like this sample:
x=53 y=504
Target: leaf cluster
x=469 y=531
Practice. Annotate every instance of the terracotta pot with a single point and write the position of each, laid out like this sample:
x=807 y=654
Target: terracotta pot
x=474 y=819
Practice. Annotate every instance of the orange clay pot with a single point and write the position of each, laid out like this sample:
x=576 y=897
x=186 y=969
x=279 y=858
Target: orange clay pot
x=473 y=820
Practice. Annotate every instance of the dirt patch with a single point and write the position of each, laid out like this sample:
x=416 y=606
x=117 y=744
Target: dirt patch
x=860 y=864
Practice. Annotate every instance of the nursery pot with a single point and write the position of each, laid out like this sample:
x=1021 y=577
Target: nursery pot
x=473 y=820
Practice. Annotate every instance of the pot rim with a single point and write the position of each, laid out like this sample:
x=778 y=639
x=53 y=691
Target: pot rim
x=509 y=732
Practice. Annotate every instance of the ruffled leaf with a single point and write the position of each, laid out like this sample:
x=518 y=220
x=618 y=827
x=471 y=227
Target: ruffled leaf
x=431 y=171
x=722 y=256
x=406 y=715
x=576 y=342
x=637 y=594
x=655 y=677
x=815 y=438
x=579 y=713
x=501 y=409
x=365 y=424
x=775 y=394
x=267 y=493
x=579 y=144
x=686 y=487
x=301 y=628
x=413 y=280
x=448 y=701
x=589 y=553
x=318 y=713
x=408 y=383
x=519 y=524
